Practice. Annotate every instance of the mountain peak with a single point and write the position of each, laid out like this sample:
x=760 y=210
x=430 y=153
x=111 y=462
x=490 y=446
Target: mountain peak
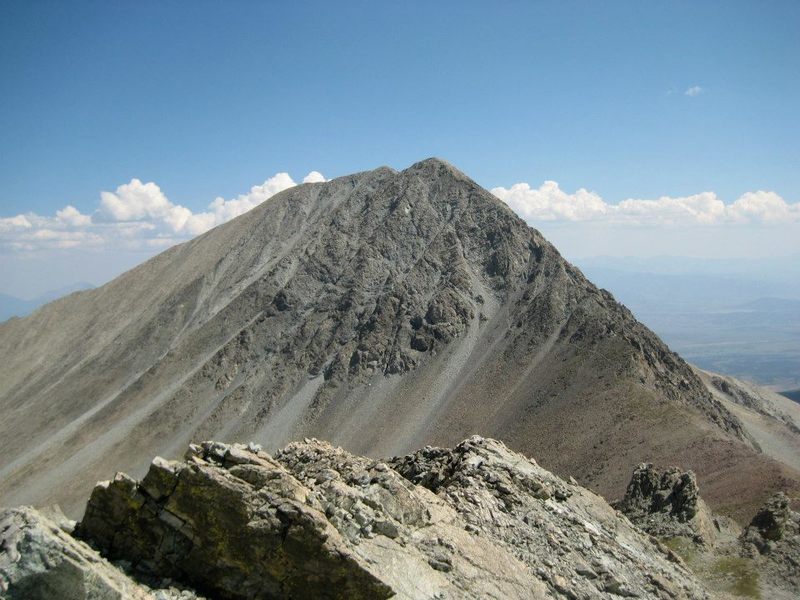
x=383 y=311
x=435 y=165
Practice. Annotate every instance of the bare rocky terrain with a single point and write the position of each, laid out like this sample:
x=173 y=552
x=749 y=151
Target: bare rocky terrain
x=314 y=521
x=383 y=311
x=760 y=560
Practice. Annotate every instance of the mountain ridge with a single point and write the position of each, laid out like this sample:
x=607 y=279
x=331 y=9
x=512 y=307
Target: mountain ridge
x=383 y=310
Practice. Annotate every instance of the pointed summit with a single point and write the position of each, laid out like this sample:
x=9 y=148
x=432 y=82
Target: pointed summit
x=382 y=311
x=434 y=166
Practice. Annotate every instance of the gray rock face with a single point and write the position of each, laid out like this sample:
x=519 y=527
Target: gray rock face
x=316 y=521
x=667 y=503
x=773 y=539
x=39 y=560
x=771 y=520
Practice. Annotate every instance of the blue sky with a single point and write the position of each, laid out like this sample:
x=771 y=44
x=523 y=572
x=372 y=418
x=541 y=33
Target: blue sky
x=207 y=99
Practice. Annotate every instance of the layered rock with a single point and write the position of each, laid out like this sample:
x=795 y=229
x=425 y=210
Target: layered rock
x=40 y=560
x=476 y=521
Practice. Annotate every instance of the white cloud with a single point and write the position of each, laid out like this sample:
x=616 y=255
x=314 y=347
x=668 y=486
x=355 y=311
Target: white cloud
x=767 y=207
x=137 y=201
x=69 y=215
x=314 y=177
x=136 y=215
x=134 y=201
x=703 y=208
x=550 y=203
x=15 y=223
x=693 y=91
x=222 y=210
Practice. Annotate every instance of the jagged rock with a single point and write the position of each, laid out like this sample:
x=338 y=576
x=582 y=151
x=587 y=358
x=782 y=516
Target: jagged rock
x=475 y=521
x=667 y=504
x=40 y=560
x=570 y=537
x=772 y=539
x=230 y=521
x=770 y=521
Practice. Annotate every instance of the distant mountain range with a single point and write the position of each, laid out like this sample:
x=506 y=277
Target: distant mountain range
x=11 y=306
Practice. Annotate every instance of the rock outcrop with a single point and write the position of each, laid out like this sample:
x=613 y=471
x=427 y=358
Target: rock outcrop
x=475 y=521
x=773 y=539
x=40 y=560
x=771 y=521
x=666 y=503
x=762 y=560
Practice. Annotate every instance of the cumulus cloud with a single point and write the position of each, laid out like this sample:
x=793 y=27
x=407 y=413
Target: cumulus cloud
x=221 y=210
x=135 y=215
x=550 y=203
x=693 y=91
x=69 y=215
x=137 y=201
x=134 y=201
x=767 y=207
x=314 y=177
x=20 y=222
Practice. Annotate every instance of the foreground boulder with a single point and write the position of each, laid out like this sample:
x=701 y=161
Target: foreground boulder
x=476 y=521
x=40 y=560
x=232 y=522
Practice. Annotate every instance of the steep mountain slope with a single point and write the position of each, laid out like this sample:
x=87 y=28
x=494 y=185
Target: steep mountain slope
x=382 y=311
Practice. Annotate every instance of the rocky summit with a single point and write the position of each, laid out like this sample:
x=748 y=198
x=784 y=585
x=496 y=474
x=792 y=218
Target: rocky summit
x=384 y=311
x=314 y=521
